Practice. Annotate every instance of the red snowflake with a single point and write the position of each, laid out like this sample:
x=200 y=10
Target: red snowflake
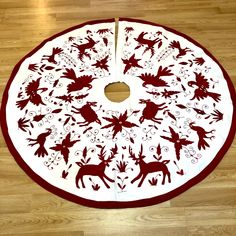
x=118 y=123
x=67 y=98
x=64 y=146
x=131 y=62
x=178 y=142
x=168 y=94
x=102 y=64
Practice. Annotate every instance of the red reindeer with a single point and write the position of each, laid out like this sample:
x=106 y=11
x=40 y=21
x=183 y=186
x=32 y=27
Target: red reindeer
x=147 y=168
x=87 y=113
x=51 y=58
x=150 y=111
x=84 y=47
x=146 y=42
x=96 y=170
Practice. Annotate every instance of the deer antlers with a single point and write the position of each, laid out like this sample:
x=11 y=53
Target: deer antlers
x=113 y=153
x=140 y=155
x=102 y=154
x=132 y=155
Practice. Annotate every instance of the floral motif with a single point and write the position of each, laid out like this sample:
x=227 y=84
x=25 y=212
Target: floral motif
x=217 y=115
x=23 y=124
x=131 y=62
x=102 y=64
x=129 y=29
x=33 y=67
x=64 y=147
x=179 y=142
x=199 y=61
x=103 y=31
x=118 y=123
x=168 y=94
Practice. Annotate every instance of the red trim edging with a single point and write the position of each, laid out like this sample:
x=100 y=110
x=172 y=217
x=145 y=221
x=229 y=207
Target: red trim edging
x=114 y=204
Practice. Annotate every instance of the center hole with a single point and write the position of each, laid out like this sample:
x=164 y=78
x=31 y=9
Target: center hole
x=117 y=92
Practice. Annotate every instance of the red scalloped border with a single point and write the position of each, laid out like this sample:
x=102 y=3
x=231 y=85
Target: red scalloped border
x=116 y=204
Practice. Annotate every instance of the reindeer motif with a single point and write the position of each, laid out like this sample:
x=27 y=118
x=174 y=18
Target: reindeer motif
x=147 y=168
x=148 y=42
x=96 y=170
x=86 y=46
x=150 y=111
x=87 y=113
x=51 y=58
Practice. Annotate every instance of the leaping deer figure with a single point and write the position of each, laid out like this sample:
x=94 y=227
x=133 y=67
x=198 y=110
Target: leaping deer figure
x=151 y=167
x=151 y=110
x=96 y=170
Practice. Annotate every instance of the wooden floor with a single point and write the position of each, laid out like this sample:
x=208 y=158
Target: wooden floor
x=208 y=208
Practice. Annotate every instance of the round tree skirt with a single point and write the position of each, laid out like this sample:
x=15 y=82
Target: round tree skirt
x=168 y=135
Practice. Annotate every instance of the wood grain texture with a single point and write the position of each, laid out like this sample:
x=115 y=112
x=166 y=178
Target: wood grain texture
x=208 y=208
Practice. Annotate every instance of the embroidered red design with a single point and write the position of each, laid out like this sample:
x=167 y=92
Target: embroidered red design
x=141 y=151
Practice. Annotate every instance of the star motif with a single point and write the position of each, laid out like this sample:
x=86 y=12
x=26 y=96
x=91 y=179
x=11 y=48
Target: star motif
x=131 y=62
x=102 y=64
x=118 y=123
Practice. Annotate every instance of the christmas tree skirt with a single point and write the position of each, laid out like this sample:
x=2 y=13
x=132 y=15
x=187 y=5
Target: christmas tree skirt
x=168 y=135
